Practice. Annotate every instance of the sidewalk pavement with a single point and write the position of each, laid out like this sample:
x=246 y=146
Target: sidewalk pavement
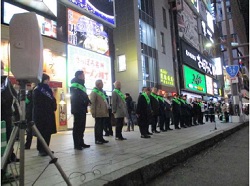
x=134 y=161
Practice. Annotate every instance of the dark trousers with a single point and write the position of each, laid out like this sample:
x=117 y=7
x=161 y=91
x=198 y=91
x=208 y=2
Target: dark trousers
x=195 y=117
x=154 y=123
x=29 y=137
x=200 y=118
x=46 y=136
x=162 y=120
x=78 y=129
x=212 y=118
x=176 y=120
x=118 y=128
x=108 y=126
x=182 y=121
x=167 y=123
x=130 y=121
x=99 y=123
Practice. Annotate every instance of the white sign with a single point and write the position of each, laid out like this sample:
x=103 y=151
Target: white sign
x=234 y=80
x=94 y=65
x=209 y=84
x=122 y=63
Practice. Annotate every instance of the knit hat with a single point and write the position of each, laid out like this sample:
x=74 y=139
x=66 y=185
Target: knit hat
x=79 y=72
x=45 y=77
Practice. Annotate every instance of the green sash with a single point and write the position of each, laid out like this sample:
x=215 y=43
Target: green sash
x=177 y=101
x=120 y=94
x=146 y=97
x=160 y=98
x=100 y=93
x=154 y=96
x=79 y=86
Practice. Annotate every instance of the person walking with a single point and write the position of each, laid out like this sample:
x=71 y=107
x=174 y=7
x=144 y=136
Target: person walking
x=79 y=103
x=176 y=105
x=118 y=109
x=45 y=106
x=155 y=108
x=99 y=110
x=144 y=112
x=130 y=108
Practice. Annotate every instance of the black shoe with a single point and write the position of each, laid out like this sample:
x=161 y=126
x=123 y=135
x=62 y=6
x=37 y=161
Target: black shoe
x=145 y=136
x=99 y=142
x=78 y=148
x=85 y=146
x=105 y=141
x=150 y=133
x=170 y=129
x=163 y=130
x=106 y=134
x=177 y=128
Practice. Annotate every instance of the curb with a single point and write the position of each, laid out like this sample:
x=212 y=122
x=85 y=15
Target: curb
x=148 y=169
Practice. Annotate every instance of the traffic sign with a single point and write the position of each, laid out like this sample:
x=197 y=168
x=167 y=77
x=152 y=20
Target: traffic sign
x=232 y=70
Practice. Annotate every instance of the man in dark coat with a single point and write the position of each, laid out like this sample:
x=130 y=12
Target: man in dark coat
x=167 y=111
x=176 y=106
x=44 y=112
x=144 y=112
x=130 y=108
x=195 y=111
x=211 y=110
x=79 y=103
x=184 y=111
x=155 y=108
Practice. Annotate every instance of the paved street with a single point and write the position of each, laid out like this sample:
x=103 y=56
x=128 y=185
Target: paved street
x=119 y=162
x=225 y=164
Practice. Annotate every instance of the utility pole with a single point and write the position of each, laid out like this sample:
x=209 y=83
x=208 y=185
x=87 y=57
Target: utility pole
x=234 y=86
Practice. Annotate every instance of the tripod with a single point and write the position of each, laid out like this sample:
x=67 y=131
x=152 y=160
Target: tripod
x=21 y=126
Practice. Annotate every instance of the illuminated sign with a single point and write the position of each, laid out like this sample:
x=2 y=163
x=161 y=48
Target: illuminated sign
x=216 y=89
x=209 y=84
x=165 y=78
x=122 y=66
x=194 y=80
x=47 y=26
x=102 y=10
x=95 y=66
x=196 y=60
x=87 y=33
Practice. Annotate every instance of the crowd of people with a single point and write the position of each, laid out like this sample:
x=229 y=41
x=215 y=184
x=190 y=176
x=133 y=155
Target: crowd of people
x=153 y=112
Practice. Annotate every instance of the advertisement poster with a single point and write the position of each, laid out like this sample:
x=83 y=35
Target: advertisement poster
x=193 y=80
x=209 y=83
x=95 y=66
x=187 y=25
x=47 y=26
x=87 y=33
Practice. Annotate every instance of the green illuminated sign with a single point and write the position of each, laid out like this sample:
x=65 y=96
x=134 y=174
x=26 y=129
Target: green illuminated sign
x=165 y=78
x=194 y=80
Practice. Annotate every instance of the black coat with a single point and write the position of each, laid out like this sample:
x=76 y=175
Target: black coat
x=143 y=110
x=29 y=105
x=79 y=99
x=176 y=108
x=129 y=104
x=44 y=105
x=184 y=108
x=168 y=110
x=154 y=105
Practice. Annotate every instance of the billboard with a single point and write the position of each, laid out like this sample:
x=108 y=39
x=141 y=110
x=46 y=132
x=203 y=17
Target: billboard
x=95 y=66
x=101 y=10
x=209 y=84
x=87 y=33
x=47 y=26
x=193 y=80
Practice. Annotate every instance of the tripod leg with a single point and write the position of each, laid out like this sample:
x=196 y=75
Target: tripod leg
x=39 y=136
x=9 y=148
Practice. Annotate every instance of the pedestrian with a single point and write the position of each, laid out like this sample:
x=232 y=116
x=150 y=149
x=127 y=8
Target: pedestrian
x=176 y=105
x=200 y=110
x=211 y=110
x=130 y=109
x=162 y=108
x=118 y=109
x=190 y=113
x=29 y=114
x=155 y=106
x=99 y=110
x=144 y=112
x=44 y=112
x=195 y=111
x=79 y=103
x=168 y=112
x=183 y=111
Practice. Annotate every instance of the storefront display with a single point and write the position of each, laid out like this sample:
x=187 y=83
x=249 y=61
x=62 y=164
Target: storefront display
x=193 y=80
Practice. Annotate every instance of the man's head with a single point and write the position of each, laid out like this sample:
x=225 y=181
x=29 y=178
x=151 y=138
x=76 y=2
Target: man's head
x=127 y=94
x=148 y=90
x=154 y=90
x=184 y=97
x=117 y=84
x=99 y=84
x=45 y=79
x=80 y=75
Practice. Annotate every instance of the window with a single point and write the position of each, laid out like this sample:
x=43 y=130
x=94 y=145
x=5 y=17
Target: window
x=164 y=17
x=148 y=70
x=163 y=43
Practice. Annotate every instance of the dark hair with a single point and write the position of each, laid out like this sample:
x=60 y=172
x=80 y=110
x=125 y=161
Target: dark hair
x=45 y=77
x=79 y=72
x=127 y=94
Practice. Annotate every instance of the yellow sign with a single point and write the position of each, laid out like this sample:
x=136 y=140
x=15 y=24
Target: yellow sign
x=166 y=78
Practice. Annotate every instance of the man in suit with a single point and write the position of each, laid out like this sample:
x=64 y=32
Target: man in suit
x=119 y=109
x=176 y=106
x=155 y=108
